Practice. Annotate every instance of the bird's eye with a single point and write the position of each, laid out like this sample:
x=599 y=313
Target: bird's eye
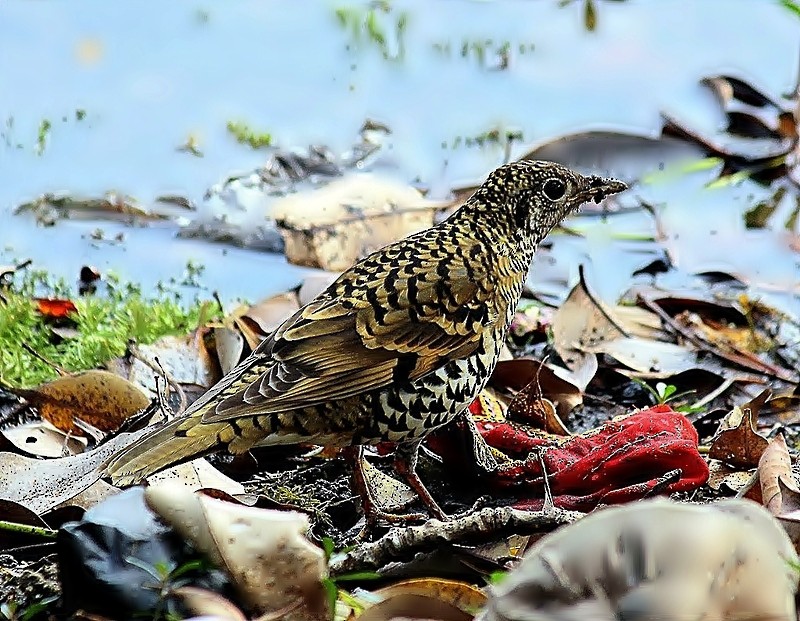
x=554 y=189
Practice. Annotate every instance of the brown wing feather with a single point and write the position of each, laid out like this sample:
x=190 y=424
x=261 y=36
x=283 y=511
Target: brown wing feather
x=367 y=327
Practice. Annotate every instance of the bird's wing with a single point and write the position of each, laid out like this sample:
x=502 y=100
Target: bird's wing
x=393 y=317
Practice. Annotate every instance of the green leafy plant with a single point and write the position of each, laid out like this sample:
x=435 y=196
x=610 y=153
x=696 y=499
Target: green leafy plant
x=664 y=394
x=168 y=577
x=332 y=585
x=375 y=25
x=13 y=612
x=103 y=325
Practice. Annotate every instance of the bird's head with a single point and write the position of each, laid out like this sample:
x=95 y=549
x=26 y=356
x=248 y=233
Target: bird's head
x=528 y=198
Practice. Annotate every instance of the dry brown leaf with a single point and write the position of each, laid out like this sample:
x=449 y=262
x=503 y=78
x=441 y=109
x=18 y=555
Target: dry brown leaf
x=195 y=475
x=42 y=485
x=185 y=358
x=334 y=226
x=102 y=399
x=736 y=442
x=581 y=325
x=229 y=345
x=497 y=552
x=271 y=563
x=41 y=439
x=413 y=607
x=775 y=465
x=271 y=312
x=205 y=603
x=789 y=513
x=463 y=595
x=530 y=407
x=390 y=494
x=259 y=320
x=738 y=481
x=516 y=374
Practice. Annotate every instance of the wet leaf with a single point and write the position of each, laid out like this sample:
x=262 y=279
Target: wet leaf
x=103 y=400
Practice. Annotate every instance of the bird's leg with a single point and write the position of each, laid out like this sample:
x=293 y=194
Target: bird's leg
x=405 y=464
x=372 y=512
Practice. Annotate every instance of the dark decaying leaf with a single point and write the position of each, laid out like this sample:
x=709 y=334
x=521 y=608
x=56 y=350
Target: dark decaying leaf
x=109 y=557
x=18 y=514
x=518 y=373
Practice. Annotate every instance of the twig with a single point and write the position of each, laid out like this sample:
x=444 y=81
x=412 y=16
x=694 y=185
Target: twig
x=60 y=370
x=27 y=529
x=404 y=542
x=751 y=363
x=157 y=368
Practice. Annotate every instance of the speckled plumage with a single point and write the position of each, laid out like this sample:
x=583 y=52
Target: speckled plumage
x=396 y=347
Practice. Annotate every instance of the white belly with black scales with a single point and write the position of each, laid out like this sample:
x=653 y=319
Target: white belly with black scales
x=412 y=411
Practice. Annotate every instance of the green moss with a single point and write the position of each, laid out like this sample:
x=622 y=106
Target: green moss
x=244 y=134
x=104 y=325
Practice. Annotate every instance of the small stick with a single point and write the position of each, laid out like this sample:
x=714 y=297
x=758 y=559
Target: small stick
x=405 y=542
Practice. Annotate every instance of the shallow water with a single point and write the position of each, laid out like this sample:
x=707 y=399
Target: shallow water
x=149 y=74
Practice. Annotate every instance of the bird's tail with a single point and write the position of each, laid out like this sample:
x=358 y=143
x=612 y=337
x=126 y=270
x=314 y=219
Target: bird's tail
x=177 y=441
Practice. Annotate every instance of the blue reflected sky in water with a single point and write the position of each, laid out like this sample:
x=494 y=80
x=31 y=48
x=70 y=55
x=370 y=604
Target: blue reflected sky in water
x=149 y=74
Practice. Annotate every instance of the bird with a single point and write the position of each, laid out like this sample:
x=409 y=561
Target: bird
x=395 y=348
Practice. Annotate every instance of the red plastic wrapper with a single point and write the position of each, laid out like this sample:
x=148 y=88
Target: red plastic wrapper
x=652 y=451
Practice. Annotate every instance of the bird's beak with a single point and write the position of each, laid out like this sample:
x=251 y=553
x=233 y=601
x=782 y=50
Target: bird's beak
x=597 y=188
